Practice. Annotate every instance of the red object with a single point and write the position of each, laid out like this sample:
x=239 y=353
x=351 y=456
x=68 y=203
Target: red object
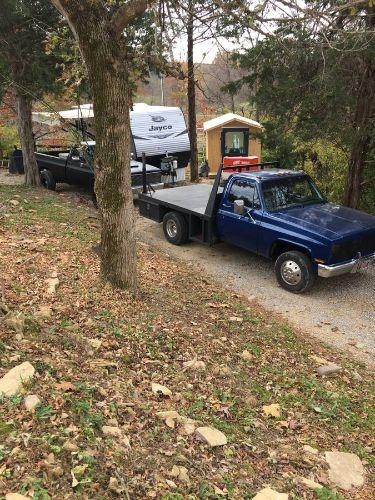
x=237 y=161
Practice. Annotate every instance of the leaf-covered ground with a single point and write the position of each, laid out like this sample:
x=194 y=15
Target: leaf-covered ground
x=98 y=350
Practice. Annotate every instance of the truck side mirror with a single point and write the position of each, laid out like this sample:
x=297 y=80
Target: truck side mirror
x=239 y=207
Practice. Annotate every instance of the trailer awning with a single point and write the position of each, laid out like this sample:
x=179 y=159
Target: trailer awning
x=86 y=112
x=83 y=112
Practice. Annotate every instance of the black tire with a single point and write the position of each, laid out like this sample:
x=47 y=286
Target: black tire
x=294 y=271
x=175 y=228
x=47 y=180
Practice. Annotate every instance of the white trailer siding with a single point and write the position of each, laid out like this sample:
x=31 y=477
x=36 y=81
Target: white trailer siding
x=158 y=129
x=155 y=130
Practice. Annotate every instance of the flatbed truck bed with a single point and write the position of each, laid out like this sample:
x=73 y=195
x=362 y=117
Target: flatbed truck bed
x=189 y=199
x=196 y=202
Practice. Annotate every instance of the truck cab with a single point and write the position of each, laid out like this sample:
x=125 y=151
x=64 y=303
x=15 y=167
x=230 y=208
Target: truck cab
x=282 y=215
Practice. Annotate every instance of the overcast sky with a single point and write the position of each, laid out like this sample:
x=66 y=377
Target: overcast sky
x=204 y=52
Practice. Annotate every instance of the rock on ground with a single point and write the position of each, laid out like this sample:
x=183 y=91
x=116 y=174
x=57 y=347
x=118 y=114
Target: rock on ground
x=70 y=446
x=15 y=321
x=12 y=381
x=52 y=284
x=270 y=494
x=160 y=389
x=15 y=496
x=43 y=313
x=345 y=469
x=310 y=449
x=211 y=436
x=180 y=473
x=194 y=364
x=111 y=431
x=309 y=483
x=328 y=369
x=31 y=402
x=246 y=355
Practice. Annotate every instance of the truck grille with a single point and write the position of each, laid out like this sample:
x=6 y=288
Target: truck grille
x=152 y=178
x=349 y=249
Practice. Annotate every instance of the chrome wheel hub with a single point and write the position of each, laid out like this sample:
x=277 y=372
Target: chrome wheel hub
x=171 y=228
x=291 y=272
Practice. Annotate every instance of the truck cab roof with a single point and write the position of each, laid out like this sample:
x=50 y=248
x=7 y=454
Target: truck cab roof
x=267 y=174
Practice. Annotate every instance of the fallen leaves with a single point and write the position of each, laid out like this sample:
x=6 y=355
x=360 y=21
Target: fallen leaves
x=64 y=386
x=272 y=410
x=194 y=365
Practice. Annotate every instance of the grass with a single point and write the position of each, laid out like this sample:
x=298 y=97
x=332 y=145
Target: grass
x=178 y=315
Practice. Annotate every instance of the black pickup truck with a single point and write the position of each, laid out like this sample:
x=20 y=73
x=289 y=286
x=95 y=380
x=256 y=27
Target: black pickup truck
x=75 y=166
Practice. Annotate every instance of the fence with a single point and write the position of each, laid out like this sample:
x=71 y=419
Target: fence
x=4 y=163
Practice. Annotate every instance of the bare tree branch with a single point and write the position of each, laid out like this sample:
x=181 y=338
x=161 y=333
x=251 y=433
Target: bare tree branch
x=127 y=13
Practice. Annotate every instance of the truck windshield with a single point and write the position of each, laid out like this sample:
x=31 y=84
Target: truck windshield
x=290 y=192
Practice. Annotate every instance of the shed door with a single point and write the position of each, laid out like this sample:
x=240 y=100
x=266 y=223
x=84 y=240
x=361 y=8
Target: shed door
x=234 y=141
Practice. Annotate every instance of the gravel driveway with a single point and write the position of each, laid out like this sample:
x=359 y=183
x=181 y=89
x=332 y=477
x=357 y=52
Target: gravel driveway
x=339 y=311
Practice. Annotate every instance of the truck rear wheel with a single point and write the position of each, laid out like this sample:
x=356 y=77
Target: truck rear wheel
x=47 y=180
x=294 y=271
x=175 y=228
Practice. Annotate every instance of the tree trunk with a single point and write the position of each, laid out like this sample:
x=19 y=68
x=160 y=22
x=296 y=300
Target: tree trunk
x=25 y=132
x=363 y=125
x=106 y=60
x=353 y=189
x=191 y=95
x=112 y=165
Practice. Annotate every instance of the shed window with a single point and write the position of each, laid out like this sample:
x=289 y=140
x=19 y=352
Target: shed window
x=235 y=142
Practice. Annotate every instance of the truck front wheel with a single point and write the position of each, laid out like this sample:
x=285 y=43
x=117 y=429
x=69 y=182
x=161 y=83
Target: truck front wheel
x=294 y=271
x=47 y=180
x=175 y=228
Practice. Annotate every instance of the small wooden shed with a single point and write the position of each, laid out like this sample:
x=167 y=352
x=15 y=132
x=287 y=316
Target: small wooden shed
x=231 y=134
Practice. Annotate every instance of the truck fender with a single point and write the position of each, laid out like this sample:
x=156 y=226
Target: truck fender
x=280 y=246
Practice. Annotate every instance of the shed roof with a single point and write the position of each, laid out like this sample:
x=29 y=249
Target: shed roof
x=224 y=119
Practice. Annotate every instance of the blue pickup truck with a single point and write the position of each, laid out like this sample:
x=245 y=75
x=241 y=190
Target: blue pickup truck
x=277 y=213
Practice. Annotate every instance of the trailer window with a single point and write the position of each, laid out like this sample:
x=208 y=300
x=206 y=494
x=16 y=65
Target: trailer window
x=242 y=190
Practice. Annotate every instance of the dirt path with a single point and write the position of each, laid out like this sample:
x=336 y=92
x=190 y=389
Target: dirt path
x=10 y=179
x=339 y=311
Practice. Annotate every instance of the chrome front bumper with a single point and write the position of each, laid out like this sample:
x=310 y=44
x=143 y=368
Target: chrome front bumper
x=352 y=266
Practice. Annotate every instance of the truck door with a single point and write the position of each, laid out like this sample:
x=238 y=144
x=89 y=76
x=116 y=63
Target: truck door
x=241 y=230
x=78 y=170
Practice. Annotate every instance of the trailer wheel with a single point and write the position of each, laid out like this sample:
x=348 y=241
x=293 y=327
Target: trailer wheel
x=175 y=228
x=47 y=180
x=294 y=271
